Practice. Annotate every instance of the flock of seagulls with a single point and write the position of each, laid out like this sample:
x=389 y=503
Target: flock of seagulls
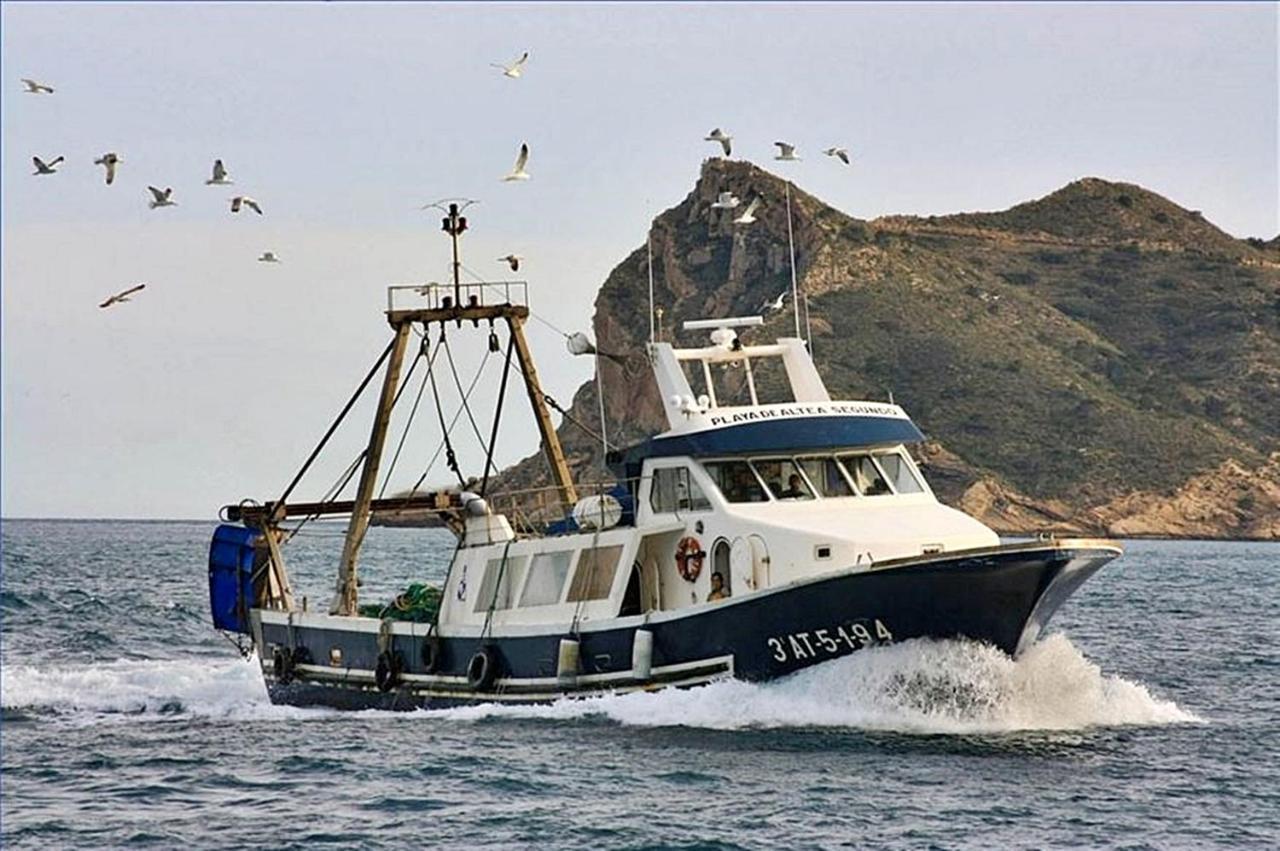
x=219 y=176
x=111 y=161
x=729 y=201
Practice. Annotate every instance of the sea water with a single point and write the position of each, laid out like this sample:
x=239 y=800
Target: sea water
x=1149 y=717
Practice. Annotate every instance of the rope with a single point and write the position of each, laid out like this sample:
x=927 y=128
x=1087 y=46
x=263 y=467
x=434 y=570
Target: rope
x=334 y=425
x=445 y=443
x=412 y=411
x=546 y=397
x=480 y=280
x=450 y=457
x=497 y=586
x=497 y=415
x=448 y=353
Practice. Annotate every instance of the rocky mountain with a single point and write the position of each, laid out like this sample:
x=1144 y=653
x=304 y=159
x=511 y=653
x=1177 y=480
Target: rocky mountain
x=1098 y=360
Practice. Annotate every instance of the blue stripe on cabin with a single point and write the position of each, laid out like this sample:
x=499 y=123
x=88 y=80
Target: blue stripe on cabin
x=789 y=435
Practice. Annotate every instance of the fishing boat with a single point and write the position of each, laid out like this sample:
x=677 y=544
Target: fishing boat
x=758 y=535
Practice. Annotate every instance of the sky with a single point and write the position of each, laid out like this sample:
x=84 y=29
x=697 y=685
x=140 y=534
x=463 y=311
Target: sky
x=214 y=383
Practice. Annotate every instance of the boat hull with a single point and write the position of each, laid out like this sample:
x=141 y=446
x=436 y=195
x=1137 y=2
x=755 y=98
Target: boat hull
x=1002 y=596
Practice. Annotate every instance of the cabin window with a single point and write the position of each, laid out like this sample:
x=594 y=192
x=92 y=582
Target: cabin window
x=500 y=579
x=899 y=473
x=547 y=573
x=737 y=481
x=783 y=479
x=594 y=577
x=673 y=489
x=825 y=475
x=865 y=474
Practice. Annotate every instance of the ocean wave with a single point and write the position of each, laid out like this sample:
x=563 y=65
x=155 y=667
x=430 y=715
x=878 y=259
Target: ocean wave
x=922 y=686
x=154 y=689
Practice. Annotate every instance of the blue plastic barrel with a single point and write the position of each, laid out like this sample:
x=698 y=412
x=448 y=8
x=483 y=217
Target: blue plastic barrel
x=231 y=557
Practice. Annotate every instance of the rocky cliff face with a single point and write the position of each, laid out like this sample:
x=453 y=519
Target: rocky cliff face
x=1098 y=360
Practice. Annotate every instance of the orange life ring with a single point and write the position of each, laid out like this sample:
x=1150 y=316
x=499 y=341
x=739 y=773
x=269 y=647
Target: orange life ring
x=689 y=557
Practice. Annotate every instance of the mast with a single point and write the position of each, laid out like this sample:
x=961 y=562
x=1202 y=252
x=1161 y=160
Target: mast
x=444 y=308
x=345 y=597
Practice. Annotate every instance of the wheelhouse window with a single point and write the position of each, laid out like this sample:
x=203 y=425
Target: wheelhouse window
x=673 y=489
x=737 y=481
x=547 y=573
x=594 y=577
x=866 y=476
x=783 y=478
x=501 y=577
x=826 y=477
x=899 y=472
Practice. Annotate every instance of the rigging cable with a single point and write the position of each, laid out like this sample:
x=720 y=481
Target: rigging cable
x=497 y=415
x=444 y=443
x=334 y=425
x=332 y=493
x=448 y=353
x=412 y=411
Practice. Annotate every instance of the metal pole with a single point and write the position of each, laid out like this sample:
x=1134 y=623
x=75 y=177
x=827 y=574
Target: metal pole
x=791 y=243
x=649 y=249
x=604 y=439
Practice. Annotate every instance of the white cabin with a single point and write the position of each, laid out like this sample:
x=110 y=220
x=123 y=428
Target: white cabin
x=769 y=493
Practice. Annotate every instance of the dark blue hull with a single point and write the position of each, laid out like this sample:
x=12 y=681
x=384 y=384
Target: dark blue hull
x=1003 y=597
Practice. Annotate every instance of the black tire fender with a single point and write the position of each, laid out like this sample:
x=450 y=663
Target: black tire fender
x=482 y=670
x=387 y=673
x=282 y=665
x=431 y=654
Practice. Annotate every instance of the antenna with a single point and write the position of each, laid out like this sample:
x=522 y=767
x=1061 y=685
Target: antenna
x=649 y=250
x=791 y=244
x=808 y=328
x=454 y=223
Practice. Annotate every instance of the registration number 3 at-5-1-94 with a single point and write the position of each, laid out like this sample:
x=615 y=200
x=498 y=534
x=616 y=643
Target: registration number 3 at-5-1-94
x=830 y=641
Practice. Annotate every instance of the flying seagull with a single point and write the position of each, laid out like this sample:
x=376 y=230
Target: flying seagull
x=726 y=201
x=42 y=167
x=718 y=135
x=109 y=161
x=513 y=260
x=220 y=177
x=518 y=173
x=268 y=257
x=748 y=215
x=785 y=151
x=245 y=201
x=775 y=305
x=122 y=296
x=838 y=152
x=162 y=197
x=515 y=69
x=34 y=88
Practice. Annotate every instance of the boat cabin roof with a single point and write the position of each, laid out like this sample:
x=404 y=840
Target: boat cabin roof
x=700 y=426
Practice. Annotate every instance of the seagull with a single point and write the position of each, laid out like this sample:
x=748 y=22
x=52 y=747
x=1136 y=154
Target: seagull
x=244 y=200
x=34 y=88
x=43 y=167
x=785 y=151
x=518 y=173
x=122 y=296
x=515 y=69
x=220 y=177
x=726 y=201
x=268 y=257
x=775 y=305
x=838 y=152
x=109 y=161
x=748 y=215
x=513 y=260
x=718 y=135
x=162 y=197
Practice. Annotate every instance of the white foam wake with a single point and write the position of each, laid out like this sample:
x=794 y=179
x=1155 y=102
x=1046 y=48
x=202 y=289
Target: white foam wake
x=210 y=687
x=917 y=686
